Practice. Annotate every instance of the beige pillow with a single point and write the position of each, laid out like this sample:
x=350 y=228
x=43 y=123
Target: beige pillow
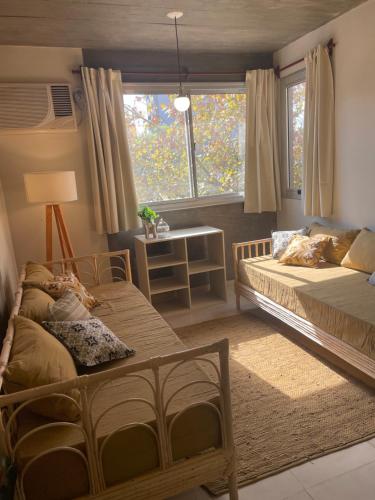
x=35 y=304
x=341 y=241
x=37 y=358
x=361 y=255
x=37 y=272
x=304 y=251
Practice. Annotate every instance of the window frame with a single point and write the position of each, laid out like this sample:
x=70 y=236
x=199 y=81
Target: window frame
x=287 y=82
x=190 y=89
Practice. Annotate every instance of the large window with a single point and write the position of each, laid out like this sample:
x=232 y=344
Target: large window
x=194 y=156
x=294 y=106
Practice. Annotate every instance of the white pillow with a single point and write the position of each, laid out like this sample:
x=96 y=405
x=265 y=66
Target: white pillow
x=280 y=240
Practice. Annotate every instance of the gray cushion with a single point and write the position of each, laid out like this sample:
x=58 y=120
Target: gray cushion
x=89 y=342
x=280 y=240
x=68 y=308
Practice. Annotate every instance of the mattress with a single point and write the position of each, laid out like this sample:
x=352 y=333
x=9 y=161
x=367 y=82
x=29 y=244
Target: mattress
x=338 y=300
x=134 y=450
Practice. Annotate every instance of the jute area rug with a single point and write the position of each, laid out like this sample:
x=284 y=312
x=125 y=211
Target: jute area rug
x=288 y=405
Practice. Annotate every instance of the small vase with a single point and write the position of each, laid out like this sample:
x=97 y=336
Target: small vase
x=150 y=230
x=154 y=230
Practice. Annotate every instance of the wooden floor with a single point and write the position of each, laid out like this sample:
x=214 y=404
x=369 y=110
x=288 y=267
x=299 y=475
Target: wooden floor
x=346 y=475
x=206 y=307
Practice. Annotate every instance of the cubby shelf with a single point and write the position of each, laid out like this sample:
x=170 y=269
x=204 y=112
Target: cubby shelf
x=167 y=260
x=179 y=263
x=203 y=266
x=161 y=285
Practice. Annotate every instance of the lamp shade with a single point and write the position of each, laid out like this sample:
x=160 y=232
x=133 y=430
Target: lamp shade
x=51 y=187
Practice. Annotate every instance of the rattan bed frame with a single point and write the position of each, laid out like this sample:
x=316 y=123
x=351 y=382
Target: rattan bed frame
x=171 y=477
x=334 y=349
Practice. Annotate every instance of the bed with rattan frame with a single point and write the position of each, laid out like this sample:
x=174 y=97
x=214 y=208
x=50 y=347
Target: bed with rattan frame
x=171 y=476
x=327 y=345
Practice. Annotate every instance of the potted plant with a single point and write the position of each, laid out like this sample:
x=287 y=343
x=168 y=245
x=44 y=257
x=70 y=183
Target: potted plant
x=148 y=218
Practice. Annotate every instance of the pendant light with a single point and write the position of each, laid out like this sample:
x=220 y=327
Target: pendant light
x=182 y=102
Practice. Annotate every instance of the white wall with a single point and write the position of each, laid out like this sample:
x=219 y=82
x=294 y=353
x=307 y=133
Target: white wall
x=354 y=71
x=8 y=269
x=33 y=152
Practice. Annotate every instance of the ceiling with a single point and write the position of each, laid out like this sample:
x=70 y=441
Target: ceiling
x=231 y=26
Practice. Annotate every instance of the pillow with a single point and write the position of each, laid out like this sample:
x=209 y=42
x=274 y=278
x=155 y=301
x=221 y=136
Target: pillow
x=361 y=255
x=371 y=279
x=90 y=342
x=35 y=304
x=67 y=308
x=280 y=240
x=304 y=251
x=339 y=244
x=37 y=358
x=37 y=272
x=57 y=286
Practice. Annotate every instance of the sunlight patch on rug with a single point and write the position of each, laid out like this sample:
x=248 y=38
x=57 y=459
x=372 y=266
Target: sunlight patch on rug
x=288 y=405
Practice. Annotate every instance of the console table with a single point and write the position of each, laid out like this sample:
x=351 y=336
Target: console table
x=167 y=266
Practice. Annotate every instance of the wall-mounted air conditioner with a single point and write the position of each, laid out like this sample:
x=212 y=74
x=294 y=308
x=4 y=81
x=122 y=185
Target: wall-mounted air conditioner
x=36 y=107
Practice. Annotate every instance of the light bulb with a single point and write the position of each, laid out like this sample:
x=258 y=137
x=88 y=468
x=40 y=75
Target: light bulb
x=182 y=103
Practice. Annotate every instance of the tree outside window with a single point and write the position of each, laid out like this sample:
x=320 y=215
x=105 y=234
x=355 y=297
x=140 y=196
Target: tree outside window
x=180 y=156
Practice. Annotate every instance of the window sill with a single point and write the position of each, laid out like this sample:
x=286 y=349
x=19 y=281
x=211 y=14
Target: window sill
x=209 y=201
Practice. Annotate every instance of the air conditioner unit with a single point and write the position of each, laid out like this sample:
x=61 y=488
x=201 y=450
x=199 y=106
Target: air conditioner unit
x=36 y=107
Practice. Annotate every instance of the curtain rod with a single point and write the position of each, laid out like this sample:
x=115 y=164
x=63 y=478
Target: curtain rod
x=330 y=45
x=124 y=72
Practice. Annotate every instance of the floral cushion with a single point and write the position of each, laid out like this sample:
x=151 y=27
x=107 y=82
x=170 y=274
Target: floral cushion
x=89 y=342
x=280 y=240
x=340 y=243
x=57 y=286
x=304 y=251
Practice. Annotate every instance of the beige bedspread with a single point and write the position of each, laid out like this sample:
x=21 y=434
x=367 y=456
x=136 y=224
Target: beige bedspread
x=334 y=298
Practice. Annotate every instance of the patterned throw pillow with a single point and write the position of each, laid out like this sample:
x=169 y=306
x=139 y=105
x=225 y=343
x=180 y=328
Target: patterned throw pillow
x=89 y=342
x=63 y=282
x=67 y=308
x=304 y=251
x=280 y=240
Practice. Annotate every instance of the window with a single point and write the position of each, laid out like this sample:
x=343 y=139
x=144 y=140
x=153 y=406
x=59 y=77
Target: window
x=294 y=99
x=186 y=157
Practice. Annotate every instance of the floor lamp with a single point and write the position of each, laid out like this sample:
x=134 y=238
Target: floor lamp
x=52 y=188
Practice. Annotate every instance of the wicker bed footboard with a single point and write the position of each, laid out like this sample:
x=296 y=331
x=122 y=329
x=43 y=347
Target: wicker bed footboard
x=170 y=477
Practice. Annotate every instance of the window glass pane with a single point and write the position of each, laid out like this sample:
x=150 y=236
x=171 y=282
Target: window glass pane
x=296 y=108
x=219 y=135
x=158 y=146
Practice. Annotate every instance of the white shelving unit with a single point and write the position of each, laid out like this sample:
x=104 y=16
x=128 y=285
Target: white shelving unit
x=166 y=266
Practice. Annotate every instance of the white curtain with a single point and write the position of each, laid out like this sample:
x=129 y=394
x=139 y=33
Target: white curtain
x=262 y=171
x=318 y=134
x=114 y=195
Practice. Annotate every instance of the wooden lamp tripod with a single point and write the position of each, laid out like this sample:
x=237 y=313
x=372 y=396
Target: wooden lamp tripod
x=53 y=188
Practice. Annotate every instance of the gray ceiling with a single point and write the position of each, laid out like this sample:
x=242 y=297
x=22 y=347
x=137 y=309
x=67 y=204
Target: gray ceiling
x=208 y=25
